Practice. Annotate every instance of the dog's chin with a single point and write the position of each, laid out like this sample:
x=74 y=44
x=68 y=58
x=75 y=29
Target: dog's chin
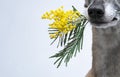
x=111 y=23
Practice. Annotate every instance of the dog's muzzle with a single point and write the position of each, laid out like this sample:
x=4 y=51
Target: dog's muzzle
x=97 y=16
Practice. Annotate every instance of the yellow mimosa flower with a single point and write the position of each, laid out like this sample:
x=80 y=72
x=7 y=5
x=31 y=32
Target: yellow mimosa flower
x=63 y=20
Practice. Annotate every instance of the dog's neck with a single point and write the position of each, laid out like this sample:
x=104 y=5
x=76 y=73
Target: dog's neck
x=106 y=52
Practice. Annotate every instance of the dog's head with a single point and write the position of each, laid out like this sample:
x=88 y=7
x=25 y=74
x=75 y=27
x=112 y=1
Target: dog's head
x=103 y=13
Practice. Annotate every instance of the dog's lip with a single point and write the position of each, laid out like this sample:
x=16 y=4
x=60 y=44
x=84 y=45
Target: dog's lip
x=114 y=19
x=104 y=22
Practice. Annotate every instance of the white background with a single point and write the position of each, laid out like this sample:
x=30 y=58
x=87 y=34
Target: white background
x=25 y=44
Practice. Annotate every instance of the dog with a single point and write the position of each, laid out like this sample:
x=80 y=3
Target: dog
x=104 y=16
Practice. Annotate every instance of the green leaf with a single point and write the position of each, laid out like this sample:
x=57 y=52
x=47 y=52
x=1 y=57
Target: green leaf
x=65 y=39
x=70 y=34
x=74 y=9
x=54 y=40
x=62 y=40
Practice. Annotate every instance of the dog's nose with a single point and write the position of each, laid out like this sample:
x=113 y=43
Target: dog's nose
x=96 y=12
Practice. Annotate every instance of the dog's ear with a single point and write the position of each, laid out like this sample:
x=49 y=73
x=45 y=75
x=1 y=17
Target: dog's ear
x=87 y=2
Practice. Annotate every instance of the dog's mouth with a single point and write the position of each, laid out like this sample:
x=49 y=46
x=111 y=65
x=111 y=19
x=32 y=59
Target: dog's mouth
x=114 y=19
x=102 y=23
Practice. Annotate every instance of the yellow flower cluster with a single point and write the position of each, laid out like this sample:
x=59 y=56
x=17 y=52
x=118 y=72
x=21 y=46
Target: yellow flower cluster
x=63 y=20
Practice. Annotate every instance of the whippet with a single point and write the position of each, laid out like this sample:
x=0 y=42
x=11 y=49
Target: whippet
x=104 y=16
